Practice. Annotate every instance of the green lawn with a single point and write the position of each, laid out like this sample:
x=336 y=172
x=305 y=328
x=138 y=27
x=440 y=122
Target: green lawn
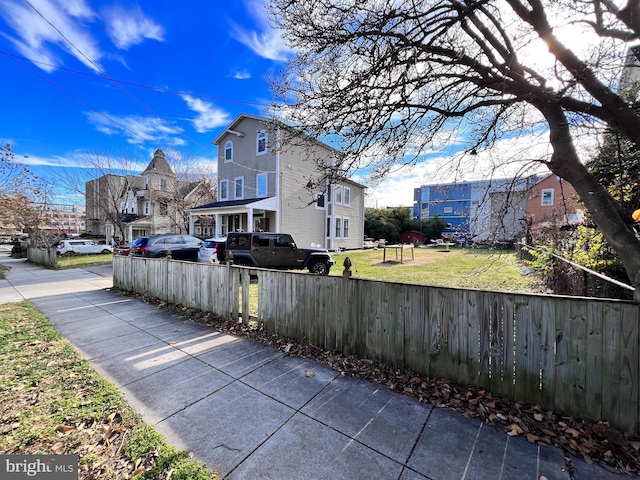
x=80 y=261
x=466 y=268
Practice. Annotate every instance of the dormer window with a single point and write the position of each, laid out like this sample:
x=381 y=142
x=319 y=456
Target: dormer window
x=261 y=143
x=228 y=151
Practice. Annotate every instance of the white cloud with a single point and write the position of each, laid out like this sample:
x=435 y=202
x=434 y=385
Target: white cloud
x=241 y=74
x=130 y=27
x=34 y=37
x=208 y=117
x=137 y=129
x=265 y=41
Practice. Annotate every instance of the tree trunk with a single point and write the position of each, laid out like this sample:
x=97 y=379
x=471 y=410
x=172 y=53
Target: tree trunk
x=604 y=209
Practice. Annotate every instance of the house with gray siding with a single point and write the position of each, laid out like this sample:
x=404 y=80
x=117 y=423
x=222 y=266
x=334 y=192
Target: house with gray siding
x=269 y=181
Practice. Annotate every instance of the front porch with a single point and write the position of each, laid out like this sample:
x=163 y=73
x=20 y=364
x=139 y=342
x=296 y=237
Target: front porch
x=250 y=215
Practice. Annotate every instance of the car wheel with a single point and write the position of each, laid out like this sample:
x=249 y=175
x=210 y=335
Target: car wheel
x=106 y=251
x=319 y=267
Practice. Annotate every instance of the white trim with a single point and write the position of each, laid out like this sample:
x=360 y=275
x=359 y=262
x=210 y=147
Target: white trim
x=317 y=196
x=337 y=195
x=264 y=175
x=346 y=197
x=547 y=202
x=230 y=144
x=235 y=188
x=266 y=141
x=226 y=182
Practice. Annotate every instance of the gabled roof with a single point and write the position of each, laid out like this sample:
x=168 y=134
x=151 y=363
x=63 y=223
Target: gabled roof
x=159 y=164
x=235 y=123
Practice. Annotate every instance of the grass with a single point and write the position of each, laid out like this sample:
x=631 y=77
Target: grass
x=463 y=268
x=80 y=261
x=52 y=401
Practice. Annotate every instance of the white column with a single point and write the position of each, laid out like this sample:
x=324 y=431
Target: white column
x=192 y=223
x=250 y=220
x=218 y=225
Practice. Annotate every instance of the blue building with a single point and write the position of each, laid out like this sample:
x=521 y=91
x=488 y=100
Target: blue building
x=482 y=210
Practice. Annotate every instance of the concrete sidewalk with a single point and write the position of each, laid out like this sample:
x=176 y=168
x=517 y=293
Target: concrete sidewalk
x=250 y=411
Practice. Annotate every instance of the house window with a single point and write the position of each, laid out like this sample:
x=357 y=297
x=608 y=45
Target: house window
x=320 y=201
x=228 y=151
x=338 y=195
x=224 y=189
x=328 y=227
x=261 y=143
x=164 y=209
x=163 y=184
x=338 y=227
x=346 y=196
x=345 y=228
x=146 y=208
x=239 y=188
x=262 y=184
x=547 y=197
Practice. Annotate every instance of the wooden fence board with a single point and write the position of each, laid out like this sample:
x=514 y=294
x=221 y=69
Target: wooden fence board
x=629 y=365
x=416 y=342
x=563 y=357
x=484 y=379
x=611 y=363
x=578 y=356
x=527 y=352
x=474 y=308
x=546 y=307
x=593 y=363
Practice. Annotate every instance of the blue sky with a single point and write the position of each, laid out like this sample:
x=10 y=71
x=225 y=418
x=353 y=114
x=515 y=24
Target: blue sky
x=82 y=75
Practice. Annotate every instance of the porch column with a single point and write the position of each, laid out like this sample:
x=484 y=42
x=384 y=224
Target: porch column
x=129 y=233
x=192 y=223
x=218 y=226
x=250 y=220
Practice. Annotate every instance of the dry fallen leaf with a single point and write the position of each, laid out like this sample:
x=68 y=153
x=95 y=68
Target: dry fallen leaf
x=310 y=374
x=514 y=430
x=137 y=471
x=64 y=428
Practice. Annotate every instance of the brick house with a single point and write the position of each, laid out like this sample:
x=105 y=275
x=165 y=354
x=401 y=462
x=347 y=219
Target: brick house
x=551 y=203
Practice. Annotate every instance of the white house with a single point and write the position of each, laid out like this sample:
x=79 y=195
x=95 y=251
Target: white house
x=268 y=180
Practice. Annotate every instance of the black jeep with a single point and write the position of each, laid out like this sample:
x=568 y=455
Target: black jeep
x=276 y=250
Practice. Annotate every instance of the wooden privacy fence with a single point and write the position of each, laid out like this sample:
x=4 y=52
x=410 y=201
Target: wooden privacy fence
x=47 y=257
x=577 y=356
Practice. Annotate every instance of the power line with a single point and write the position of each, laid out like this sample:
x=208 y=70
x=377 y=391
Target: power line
x=139 y=85
x=129 y=94
x=77 y=99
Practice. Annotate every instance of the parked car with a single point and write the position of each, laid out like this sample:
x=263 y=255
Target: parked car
x=123 y=249
x=277 y=250
x=81 y=247
x=181 y=246
x=212 y=250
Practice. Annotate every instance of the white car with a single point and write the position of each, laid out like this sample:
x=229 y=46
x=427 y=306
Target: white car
x=82 y=247
x=212 y=250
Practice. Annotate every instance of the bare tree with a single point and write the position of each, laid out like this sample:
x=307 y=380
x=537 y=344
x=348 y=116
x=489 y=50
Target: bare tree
x=390 y=79
x=195 y=184
x=101 y=180
x=114 y=190
x=24 y=197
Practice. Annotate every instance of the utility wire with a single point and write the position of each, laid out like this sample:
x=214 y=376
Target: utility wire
x=134 y=84
x=115 y=82
x=129 y=94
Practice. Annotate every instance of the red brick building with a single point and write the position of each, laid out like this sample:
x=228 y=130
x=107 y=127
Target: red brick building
x=551 y=204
